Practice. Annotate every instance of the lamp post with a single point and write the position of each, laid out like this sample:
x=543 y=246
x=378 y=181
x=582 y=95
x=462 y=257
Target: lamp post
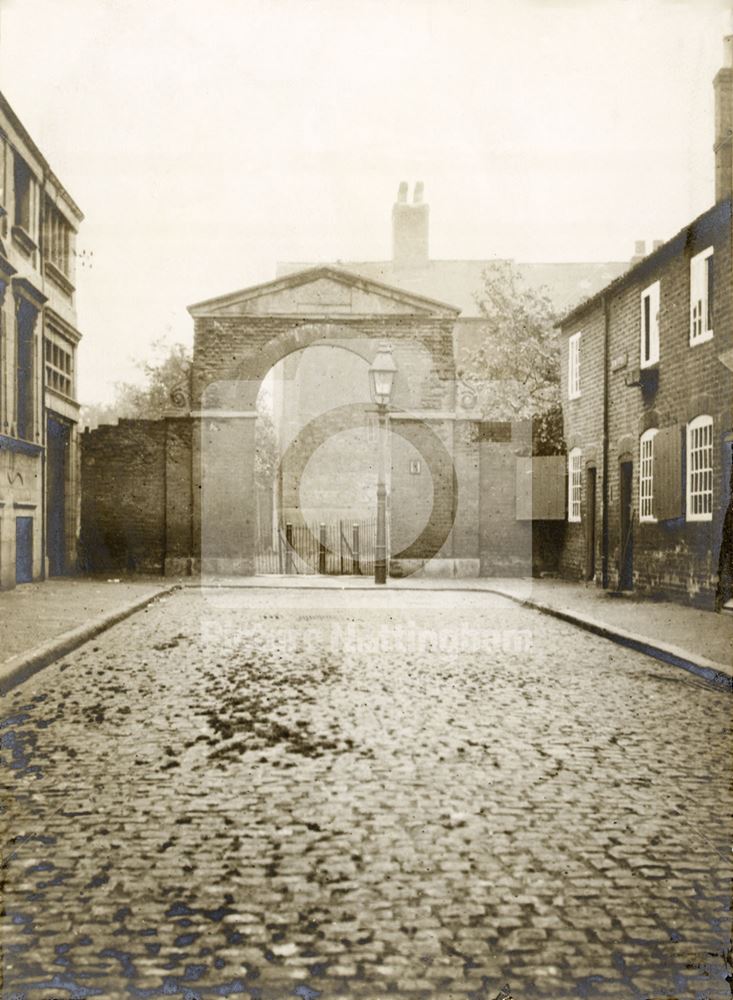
x=381 y=375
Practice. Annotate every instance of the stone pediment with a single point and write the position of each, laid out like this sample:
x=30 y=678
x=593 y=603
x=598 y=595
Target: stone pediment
x=322 y=291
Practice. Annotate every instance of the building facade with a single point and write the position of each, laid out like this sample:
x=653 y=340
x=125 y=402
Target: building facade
x=178 y=495
x=39 y=478
x=647 y=389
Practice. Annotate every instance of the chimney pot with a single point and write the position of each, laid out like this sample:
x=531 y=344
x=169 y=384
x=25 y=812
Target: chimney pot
x=640 y=248
x=410 y=228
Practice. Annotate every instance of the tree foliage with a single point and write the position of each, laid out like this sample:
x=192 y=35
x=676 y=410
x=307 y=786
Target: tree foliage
x=169 y=368
x=150 y=399
x=514 y=369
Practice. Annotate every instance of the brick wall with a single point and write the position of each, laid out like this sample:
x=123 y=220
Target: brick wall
x=123 y=497
x=674 y=558
x=505 y=543
x=583 y=427
x=242 y=349
x=430 y=442
x=179 y=487
x=466 y=457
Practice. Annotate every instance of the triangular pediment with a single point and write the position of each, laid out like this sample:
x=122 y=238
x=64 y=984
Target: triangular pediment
x=322 y=291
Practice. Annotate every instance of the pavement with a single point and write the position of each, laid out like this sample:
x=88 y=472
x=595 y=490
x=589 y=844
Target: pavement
x=43 y=621
x=277 y=793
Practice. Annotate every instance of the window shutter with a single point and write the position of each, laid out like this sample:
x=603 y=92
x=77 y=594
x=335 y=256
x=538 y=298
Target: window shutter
x=667 y=483
x=541 y=488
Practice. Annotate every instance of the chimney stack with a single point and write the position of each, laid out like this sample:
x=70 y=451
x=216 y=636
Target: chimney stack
x=410 y=228
x=723 y=85
x=639 y=251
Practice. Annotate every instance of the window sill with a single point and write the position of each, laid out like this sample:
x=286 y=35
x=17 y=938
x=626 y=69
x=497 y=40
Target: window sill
x=699 y=518
x=576 y=395
x=61 y=395
x=58 y=277
x=574 y=520
x=26 y=242
x=702 y=339
x=648 y=520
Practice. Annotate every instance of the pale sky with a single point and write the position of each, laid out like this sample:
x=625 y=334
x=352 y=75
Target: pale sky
x=206 y=141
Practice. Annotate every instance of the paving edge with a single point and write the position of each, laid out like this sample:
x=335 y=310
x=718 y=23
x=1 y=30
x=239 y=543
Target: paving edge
x=22 y=666
x=714 y=673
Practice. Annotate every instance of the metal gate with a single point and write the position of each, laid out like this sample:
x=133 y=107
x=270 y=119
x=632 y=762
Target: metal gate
x=335 y=548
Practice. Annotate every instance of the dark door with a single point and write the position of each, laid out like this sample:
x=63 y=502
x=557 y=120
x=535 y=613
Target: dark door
x=57 y=444
x=23 y=549
x=590 y=524
x=626 y=549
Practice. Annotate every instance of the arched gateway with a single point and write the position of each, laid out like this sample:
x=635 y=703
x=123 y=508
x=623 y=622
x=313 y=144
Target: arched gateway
x=179 y=495
x=240 y=337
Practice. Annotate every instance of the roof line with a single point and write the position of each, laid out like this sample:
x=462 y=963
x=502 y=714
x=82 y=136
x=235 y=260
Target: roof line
x=646 y=263
x=19 y=127
x=323 y=269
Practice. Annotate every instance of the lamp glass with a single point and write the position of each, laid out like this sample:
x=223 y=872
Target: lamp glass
x=381 y=374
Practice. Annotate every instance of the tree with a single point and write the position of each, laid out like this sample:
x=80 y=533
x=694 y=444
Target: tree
x=168 y=370
x=150 y=399
x=513 y=368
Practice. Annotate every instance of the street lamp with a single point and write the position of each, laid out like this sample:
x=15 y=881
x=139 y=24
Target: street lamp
x=381 y=375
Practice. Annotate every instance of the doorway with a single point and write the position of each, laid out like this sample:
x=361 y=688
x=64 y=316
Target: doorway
x=58 y=437
x=626 y=526
x=590 y=523
x=23 y=549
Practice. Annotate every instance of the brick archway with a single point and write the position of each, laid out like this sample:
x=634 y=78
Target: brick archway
x=241 y=337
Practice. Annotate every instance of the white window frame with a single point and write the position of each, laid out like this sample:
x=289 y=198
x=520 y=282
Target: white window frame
x=700 y=304
x=699 y=475
x=58 y=357
x=574 y=366
x=650 y=295
x=575 y=485
x=646 y=475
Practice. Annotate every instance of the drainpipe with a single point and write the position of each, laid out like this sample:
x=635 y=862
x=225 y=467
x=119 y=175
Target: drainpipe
x=604 y=511
x=41 y=354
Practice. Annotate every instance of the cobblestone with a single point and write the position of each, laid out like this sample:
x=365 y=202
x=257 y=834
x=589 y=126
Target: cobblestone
x=208 y=801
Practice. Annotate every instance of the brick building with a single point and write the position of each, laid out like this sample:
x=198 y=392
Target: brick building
x=307 y=338
x=178 y=495
x=39 y=481
x=647 y=392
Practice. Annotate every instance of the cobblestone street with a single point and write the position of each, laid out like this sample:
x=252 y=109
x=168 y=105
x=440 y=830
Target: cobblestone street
x=368 y=794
